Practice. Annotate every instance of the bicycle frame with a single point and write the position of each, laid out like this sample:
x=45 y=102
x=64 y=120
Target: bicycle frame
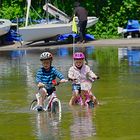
x=51 y=103
x=85 y=85
x=79 y=99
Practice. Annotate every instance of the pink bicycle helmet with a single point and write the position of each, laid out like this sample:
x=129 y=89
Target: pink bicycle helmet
x=78 y=55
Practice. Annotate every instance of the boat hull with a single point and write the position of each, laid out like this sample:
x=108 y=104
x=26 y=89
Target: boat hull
x=91 y=21
x=43 y=31
x=4 y=26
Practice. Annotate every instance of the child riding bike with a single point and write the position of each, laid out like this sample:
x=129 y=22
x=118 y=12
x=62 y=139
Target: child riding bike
x=79 y=73
x=44 y=77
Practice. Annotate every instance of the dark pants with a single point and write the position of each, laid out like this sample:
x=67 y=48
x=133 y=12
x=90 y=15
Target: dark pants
x=82 y=26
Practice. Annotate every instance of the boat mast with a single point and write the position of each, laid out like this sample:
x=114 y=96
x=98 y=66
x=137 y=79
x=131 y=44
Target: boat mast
x=47 y=14
x=27 y=13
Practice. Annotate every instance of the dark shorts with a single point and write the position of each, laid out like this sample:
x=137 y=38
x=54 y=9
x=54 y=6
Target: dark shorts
x=51 y=90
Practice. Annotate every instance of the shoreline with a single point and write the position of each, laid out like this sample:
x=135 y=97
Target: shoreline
x=124 y=42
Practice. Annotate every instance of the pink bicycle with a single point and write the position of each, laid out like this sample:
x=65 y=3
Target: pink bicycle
x=86 y=85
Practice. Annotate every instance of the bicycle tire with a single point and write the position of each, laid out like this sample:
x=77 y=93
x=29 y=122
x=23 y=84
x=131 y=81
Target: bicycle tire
x=33 y=104
x=90 y=104
x=56 y=107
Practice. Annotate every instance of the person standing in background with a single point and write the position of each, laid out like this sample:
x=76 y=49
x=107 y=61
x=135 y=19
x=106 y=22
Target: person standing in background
x=82 y=14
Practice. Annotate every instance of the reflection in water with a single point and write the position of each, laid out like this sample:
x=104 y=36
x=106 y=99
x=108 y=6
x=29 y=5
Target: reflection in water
x=17 y=54
x=118 y=88
x=62 y=52
x=83 y=126
x=89 y=50
x=132 y=55
x=48 y=125
x=12 y=66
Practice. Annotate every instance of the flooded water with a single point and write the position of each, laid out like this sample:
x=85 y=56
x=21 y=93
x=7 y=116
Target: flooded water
x=118 y=90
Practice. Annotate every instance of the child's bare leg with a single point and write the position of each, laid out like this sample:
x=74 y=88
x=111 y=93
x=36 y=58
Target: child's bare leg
x=73 y=98
x=71 y=102
x=41 y=96
x=94 y=99
x=83 y=96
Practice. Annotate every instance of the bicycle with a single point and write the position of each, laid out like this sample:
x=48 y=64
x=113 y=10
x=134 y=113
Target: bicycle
x=51 y=103
x=86 y=85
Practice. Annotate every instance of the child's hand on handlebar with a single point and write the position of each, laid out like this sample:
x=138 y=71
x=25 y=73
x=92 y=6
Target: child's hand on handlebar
x=55 y=83
x=40 y=85
x=63 y=81
x=92 y=79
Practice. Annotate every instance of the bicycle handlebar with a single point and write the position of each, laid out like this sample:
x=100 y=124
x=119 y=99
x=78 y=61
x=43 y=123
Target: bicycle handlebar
x=54 y=83
x=92 y=79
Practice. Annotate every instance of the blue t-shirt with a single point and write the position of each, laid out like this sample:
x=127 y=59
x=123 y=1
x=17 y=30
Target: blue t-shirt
x=46 y=77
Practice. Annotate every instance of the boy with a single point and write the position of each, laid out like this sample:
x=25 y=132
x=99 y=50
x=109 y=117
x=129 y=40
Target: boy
x=44 y=77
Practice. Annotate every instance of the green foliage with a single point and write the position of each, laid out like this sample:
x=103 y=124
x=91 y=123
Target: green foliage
x=114 y=14
x=10 y=12
x=111 y=13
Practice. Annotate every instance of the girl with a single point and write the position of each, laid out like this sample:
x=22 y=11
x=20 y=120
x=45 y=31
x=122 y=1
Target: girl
x=79 y=73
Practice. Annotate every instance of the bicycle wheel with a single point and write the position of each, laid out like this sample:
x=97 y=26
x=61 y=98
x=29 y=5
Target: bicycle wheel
x=91 y=104
x=33 y=105
x=56 y=106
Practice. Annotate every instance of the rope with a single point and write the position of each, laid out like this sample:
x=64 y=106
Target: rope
x=36 y=12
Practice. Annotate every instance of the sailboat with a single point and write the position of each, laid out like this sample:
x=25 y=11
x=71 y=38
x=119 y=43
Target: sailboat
x=42 y=31
x=45 y=31
x=64 y=17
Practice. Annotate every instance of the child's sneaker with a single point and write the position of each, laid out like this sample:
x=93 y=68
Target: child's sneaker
x=39 y=108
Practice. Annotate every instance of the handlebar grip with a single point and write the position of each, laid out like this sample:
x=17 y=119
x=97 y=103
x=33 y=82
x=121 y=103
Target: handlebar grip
x=98 y=77
x=55 y=83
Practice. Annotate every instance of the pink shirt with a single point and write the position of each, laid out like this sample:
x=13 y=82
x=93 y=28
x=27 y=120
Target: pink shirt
x=80 y=74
